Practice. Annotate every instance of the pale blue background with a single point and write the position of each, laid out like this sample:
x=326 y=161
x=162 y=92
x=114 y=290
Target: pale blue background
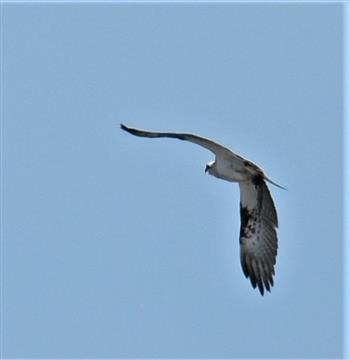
x=116 y=246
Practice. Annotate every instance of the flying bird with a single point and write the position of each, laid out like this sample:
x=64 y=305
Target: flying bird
x=258 y=237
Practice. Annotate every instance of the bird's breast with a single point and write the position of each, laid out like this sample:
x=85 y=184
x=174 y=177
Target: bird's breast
x=230 y=171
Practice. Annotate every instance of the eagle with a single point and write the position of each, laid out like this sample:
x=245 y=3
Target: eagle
x=258 y=236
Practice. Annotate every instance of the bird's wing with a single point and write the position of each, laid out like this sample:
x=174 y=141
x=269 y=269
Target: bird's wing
x=212 y=146
x=258 y=238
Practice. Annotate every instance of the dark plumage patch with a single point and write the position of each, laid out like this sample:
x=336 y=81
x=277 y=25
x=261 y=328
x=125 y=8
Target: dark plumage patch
x=257 y=180
x=245 y=215
x=180 y=137
x=247 y=222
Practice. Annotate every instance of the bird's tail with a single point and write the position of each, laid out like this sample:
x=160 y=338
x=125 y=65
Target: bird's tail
x=273 y=183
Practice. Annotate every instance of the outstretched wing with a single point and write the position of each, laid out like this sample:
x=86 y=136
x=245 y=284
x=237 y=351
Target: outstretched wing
x=212 y=146
x=258 y=238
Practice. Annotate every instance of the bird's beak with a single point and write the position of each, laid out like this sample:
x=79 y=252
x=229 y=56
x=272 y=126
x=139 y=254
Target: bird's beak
x=206 y=168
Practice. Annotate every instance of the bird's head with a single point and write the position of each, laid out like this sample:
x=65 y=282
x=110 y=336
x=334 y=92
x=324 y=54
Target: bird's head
x=209 y=167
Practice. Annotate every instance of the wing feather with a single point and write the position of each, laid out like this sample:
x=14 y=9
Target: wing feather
x=258 y=237
x=210 y=145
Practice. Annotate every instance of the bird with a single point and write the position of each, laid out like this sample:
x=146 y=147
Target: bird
x=259 y=222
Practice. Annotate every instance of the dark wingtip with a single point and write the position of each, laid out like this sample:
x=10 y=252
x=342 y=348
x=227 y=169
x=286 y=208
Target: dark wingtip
x=129 y=130
x=123 y=127
x=261 y=288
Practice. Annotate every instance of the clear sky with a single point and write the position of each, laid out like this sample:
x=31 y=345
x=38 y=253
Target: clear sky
x=117 y=246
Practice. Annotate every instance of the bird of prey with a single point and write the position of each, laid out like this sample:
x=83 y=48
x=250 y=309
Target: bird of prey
x=257 y=238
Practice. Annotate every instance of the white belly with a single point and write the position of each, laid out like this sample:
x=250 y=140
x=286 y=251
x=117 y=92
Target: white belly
x=230 y=171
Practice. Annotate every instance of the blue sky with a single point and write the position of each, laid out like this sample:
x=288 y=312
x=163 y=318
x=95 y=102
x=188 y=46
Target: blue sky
x=116 y=246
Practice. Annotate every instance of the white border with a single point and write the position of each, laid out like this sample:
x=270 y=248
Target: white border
x=346 y=137
x=346 y=152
